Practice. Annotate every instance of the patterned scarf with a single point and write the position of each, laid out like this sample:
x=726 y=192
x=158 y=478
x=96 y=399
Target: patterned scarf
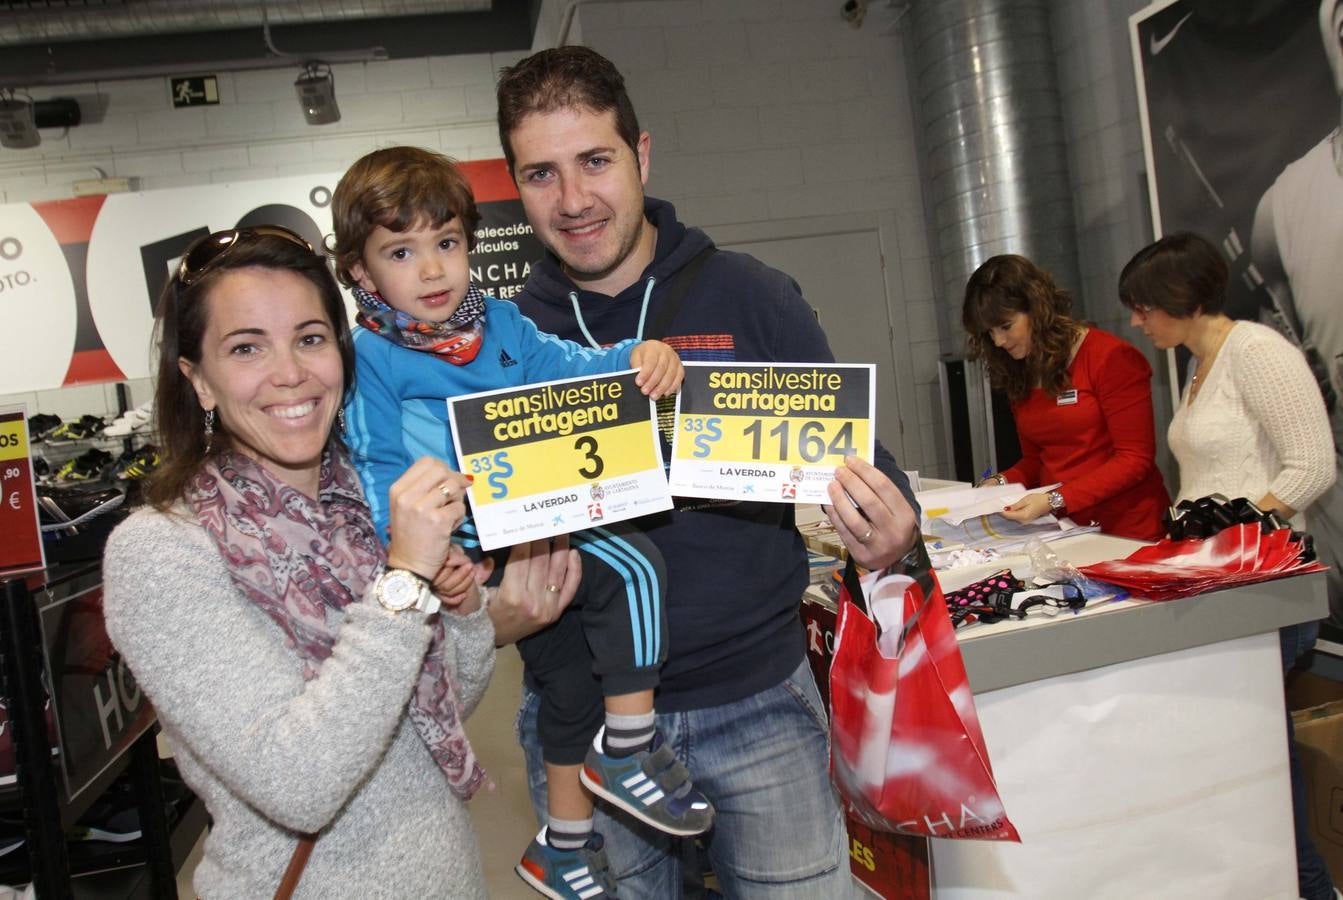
x=303 y=560
x=457 y=340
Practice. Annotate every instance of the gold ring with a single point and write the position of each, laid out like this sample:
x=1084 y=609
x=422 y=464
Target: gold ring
x=553 y=588
x=446 y=490
x=865 y=536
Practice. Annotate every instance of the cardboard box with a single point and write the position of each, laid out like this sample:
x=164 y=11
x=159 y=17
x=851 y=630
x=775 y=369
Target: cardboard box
x=1319 y=745
x=1306 y=689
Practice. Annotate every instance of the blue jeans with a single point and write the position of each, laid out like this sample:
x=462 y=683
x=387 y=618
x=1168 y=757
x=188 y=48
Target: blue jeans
x=763 y=762
x=1312 y=877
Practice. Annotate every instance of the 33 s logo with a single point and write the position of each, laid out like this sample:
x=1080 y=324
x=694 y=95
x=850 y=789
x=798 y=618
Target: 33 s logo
x=497 y=469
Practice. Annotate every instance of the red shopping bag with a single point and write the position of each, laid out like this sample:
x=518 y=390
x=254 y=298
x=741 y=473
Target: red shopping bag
x=906 y=751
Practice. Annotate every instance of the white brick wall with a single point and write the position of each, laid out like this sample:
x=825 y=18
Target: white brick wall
x=764 y=110
x=257 y=130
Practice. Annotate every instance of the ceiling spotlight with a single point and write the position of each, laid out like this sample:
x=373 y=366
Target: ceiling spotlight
x=317 y=93
x=18 y=127
x=854 y=11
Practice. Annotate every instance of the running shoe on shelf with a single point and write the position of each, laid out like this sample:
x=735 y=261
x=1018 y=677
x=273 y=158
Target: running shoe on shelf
x=41 y=425
x=137 y=463
x=87 y=466
x=84 y=427
x=130 y=422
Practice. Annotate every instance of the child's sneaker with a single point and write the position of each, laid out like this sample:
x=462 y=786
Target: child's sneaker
x=582 y=874
x=652 y=785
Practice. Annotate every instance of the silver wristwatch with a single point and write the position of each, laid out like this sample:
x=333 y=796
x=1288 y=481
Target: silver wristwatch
x=400 y=589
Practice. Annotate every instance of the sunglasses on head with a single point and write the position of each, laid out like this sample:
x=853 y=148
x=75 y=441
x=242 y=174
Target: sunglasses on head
x=207 y=251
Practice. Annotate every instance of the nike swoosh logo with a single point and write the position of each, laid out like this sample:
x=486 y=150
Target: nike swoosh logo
x=1157 y=46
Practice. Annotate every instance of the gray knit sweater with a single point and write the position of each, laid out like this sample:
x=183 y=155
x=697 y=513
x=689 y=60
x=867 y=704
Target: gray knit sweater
x=271 y=755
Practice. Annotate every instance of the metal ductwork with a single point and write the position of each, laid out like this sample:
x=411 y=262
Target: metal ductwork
x=58 y=22
x=77 y=41
x=997 y=172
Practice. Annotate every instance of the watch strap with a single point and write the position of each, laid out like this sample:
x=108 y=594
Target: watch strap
x=429 y=602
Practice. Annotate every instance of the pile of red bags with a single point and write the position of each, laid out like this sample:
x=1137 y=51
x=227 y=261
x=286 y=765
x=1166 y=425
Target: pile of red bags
x=1241 y=553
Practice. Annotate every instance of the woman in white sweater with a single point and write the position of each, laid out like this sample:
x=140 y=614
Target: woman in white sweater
x=1251 y=423
x=305 y=680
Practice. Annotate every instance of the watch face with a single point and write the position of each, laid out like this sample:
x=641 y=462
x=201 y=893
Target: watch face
x=399 y=590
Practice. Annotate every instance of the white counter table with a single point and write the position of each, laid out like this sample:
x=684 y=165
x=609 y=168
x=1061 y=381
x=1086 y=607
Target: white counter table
x=1140 y=748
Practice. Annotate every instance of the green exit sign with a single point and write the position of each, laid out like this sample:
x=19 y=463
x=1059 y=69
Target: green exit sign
x=202 y=90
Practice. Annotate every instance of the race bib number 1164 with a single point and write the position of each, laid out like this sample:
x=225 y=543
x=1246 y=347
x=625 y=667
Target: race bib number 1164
x=769 y=431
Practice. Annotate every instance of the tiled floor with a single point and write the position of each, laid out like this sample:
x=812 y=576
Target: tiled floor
x=503 y=816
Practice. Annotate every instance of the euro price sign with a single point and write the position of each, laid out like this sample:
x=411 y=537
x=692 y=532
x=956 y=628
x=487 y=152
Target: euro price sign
x=21 y=545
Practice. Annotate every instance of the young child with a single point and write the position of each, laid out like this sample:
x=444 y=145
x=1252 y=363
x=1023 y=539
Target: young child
x=404 y=220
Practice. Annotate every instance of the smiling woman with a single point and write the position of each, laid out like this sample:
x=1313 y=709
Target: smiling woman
x=312 y=697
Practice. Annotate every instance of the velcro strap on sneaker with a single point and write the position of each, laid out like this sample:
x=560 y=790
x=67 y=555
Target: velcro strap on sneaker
x=599 y=867
x=673 y=778
x=658 y=760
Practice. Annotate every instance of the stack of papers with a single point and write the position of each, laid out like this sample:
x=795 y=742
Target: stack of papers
x=965 y=518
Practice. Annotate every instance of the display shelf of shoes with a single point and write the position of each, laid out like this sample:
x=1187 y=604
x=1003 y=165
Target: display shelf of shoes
x=51 y=631
x=57 y=455
x=57 y=443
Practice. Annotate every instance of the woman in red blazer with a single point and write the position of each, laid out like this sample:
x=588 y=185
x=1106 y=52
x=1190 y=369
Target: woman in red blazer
x=1081 y=398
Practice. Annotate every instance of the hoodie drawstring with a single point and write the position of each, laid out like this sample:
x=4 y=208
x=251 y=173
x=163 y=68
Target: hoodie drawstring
x=643 y=314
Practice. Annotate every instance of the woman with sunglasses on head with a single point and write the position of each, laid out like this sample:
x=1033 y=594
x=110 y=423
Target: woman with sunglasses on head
x=1081 y=399
x=308 y=683
x=1250 y=423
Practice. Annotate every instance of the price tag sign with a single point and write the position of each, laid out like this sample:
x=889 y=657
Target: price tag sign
x=20 y=531
x=558 y=457
x=769 y=431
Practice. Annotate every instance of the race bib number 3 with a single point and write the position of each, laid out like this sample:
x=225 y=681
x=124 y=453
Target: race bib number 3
x=772 y=432
x=552 y=458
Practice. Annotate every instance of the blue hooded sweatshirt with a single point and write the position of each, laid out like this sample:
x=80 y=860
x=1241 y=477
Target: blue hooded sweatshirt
x=736 y=570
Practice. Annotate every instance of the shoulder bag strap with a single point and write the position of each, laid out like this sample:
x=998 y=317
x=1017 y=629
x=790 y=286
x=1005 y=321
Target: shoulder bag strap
x=297 y=863
x=681 y=283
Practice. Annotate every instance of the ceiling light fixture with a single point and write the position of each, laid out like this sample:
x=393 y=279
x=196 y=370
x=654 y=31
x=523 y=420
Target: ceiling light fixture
x=316 y=88
x=18 y=124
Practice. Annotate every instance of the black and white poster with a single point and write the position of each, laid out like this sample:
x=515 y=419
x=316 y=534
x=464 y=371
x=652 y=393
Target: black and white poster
x=1237 y=97
x=1241 y=103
